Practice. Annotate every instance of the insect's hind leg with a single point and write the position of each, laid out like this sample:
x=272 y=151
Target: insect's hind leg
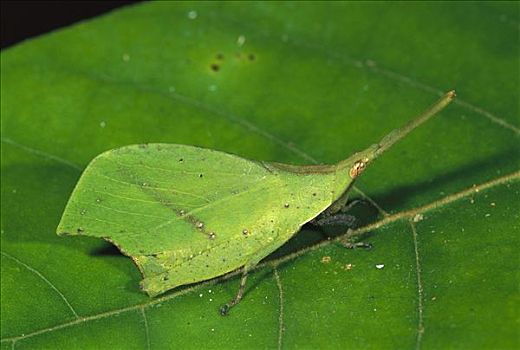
x=224 y=309
x=249 y=266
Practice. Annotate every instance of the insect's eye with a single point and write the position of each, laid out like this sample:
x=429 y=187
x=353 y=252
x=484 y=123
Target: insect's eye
x=358 y=168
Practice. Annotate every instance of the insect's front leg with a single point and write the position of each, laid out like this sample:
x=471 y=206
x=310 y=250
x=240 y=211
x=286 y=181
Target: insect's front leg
x=338 y=217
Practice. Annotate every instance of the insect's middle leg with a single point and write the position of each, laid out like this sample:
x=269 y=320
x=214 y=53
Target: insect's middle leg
x=337 y=214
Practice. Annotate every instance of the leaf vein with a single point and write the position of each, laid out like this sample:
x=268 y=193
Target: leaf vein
x=42 y=277
x=139 y=200
x=281 y=327
x=122 y=211
x=153 y=187
x=146 y=330
x=420 y=290
x=40 y=153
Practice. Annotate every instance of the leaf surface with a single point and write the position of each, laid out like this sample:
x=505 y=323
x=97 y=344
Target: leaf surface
x=299 y=84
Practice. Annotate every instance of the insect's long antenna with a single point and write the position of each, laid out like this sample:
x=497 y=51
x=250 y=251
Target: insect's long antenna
x=400 y=133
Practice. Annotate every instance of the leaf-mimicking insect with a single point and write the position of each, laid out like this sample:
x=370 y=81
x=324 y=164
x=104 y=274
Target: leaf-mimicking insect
x=185 y=214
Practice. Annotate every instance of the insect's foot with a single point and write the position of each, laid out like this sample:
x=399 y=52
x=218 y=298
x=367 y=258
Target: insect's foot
x=354 y=245
x=224 y=310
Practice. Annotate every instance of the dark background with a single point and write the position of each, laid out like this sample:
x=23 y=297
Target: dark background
x=25 y=19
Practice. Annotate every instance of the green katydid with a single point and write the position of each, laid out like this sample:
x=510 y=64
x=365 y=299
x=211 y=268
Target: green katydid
x=185 y=214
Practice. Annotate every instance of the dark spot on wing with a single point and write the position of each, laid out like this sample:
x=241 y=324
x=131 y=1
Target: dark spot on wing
x=215 y=67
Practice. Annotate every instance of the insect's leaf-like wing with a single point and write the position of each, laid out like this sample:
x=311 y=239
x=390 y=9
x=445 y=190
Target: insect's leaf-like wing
x=186 y=214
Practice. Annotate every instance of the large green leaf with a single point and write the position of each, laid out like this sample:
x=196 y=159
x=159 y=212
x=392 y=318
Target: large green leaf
x=285 y=82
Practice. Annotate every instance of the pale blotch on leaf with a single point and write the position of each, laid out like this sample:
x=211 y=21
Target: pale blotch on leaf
x=326 y=259
x=241 y=40
x=418 y=217
x=348 y=266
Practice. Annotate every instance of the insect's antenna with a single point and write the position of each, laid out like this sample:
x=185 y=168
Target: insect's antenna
x=400 y=133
